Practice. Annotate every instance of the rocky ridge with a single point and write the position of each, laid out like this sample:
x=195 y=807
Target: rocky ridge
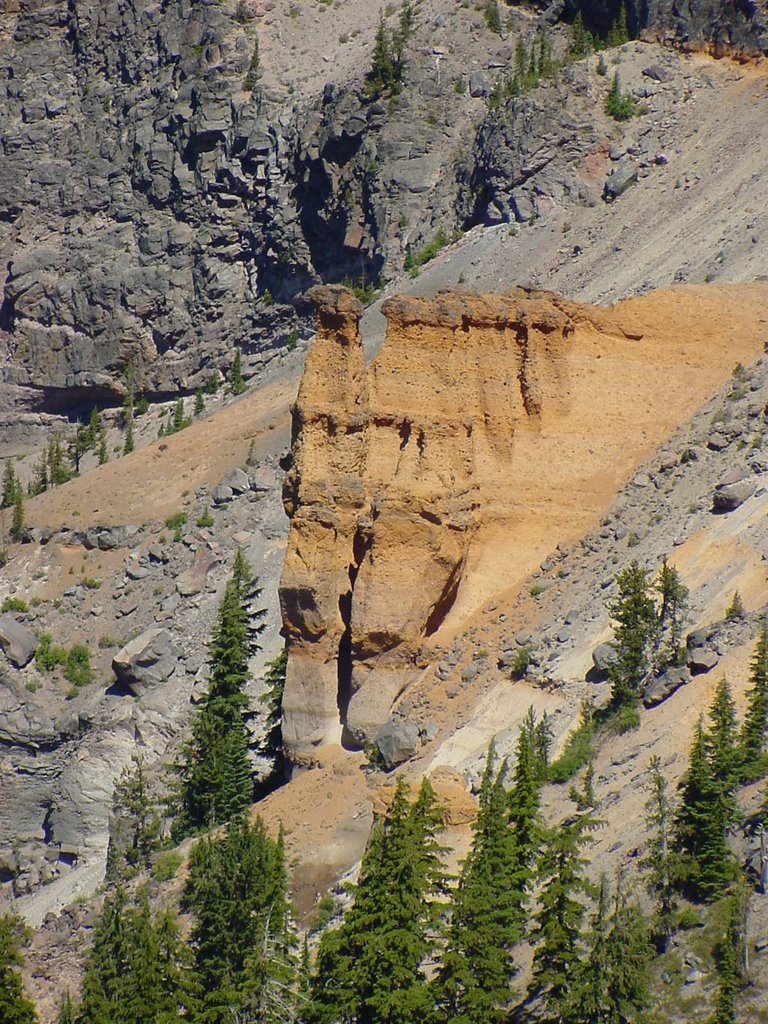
x=156 y=204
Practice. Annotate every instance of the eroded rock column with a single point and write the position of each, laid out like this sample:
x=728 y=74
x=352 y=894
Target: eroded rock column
x=324 y=496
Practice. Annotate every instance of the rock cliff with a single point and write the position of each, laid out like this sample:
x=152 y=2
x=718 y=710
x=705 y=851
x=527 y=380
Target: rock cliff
x=486 y=430
x=164 y=193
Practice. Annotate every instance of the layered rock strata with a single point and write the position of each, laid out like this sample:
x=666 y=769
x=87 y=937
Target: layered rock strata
x=486 y=430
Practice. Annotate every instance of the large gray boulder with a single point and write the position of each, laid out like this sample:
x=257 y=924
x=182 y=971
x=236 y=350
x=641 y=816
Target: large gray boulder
x=397 y=742
x=603 y=658
x=622 y=177
x=145 y=661
x=659 y=689
x=17 y=641
x=729 y=496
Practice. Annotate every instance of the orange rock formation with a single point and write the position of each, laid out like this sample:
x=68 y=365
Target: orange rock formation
x=487 y=429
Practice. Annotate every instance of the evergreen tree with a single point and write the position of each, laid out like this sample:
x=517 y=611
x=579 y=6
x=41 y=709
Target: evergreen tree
x=136 y=831
x=199 y=407
x=588 y=1002
x=660 y=861
x=473 y=985
x=524 y=795
x=727 y=963
x=755 y=729
x=635 y=633
x=271 y=746
x=15 y=1008
x=237 y=893
x=67 y=1011
x=557 y=931
x=673 y=603
x=129 y=445
x=10 y=485
x=709 y=808
x=629 y=958
x=236 y=383
x=102 y=453
x=369 y=969
x=17 y=522
x=215 y=769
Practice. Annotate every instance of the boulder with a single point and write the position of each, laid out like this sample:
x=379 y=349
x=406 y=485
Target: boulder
x=193 y=580
x=659 y=689
x=621 y=177
x=702 y=659
x=147 y=660
x=18 y=643
x=728 y=497
x=237 y=481
x=603 y=657
x=479 y=85
x=397 y=742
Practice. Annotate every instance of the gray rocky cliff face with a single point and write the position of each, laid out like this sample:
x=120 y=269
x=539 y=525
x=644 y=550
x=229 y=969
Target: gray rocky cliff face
x=158 y=209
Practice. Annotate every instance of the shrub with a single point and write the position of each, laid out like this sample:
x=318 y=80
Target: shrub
x=578 y=749
x=14 y=604
x=166 y=865
x=206 y=519
x=176 y=522
x=77 y=665
x=48 y=655
x=90 y=583
x=522 y=662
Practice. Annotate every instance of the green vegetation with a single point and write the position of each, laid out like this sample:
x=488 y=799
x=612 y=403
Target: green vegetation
x=649 y=617
x=271 y=746
x=14 y=604
x=492 y=16
x=579 y=748
x=205 y=520
x=735 y=610
x=215 y=775
x=369 y=967
x=75 y=661
x=137 y=836
x=388 y=63
x=176 y=522
x=16 y=531
x=166 y=865
x=236 y=383
x=252 y=75
x=415 y=260
x=619 y=105
x=15 y=1008
x=10 y=485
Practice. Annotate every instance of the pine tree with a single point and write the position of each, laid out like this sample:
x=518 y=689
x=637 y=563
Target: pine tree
x=10 y=485
x=103 y=454
x=473 y=985
x=67 y=1011
x=199 y=407
x=236 y=383
x=136 y=829
x=369 y=969
x=215 y=769
x=629 y=957
x=635 y=633
x=660 y=861
x=557 y=931
x=588 y=1002
x=129 y=445
x=106 y=965
x=754 y=732
x=727 y=962
x=17 y=522
x=236 y=891
x=709 y=808
x=15 y=1008
x=271 y=746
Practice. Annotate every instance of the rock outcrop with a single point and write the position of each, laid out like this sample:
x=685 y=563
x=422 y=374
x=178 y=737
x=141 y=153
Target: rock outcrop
x=486 y=430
